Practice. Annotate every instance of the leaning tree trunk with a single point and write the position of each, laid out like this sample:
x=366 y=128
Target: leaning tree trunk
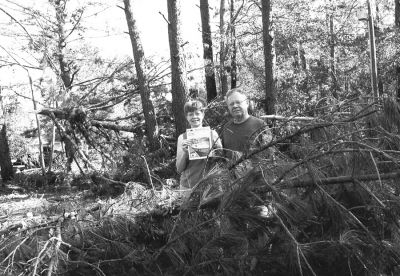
x=41 y=157
x=208 y=51
x=397 y=25
x=138 y=54
x=7 y=172
x=269 y=104
x=178 y=70
x=234 y=47
x=222 y=50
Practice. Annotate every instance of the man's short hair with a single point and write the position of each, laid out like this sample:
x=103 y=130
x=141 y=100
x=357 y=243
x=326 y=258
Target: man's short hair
x=234 y=90
x=194 y=105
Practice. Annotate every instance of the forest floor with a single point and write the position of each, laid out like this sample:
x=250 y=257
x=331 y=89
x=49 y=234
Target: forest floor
x=21 y=208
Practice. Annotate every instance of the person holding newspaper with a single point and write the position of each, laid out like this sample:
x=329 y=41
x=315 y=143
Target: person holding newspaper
x=194 y=145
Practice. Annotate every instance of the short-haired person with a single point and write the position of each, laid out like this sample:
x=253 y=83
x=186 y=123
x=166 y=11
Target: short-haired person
x=192 y=171
x=244 y=131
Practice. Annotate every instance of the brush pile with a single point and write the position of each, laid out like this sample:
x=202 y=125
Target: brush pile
x=328 y=205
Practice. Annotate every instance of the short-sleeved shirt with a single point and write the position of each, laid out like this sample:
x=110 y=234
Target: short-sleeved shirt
x=193 y=170
x=239 y=137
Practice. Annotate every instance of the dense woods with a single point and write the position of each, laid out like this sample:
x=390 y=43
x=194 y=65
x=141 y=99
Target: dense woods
x=88 y=137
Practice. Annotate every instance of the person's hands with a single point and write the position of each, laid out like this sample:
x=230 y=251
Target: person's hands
x=186 y=143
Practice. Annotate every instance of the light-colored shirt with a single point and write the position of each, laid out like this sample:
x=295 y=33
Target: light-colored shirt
x=192 y=171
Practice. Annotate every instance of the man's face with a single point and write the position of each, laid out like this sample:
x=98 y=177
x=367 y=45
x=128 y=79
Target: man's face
x=237 y=105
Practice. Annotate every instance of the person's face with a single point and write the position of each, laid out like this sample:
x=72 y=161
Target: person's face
x=237 y=105
x=195 y=118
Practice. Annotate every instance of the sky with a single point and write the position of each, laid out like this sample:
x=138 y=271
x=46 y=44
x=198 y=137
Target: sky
x=152 y=26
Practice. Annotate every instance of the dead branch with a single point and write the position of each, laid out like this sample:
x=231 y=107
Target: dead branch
x=64 y=114
x=283 y=118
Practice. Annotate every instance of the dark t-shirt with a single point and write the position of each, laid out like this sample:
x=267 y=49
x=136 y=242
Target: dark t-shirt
x=239 y=137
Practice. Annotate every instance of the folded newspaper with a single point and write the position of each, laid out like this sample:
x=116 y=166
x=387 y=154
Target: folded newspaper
x=201 y=142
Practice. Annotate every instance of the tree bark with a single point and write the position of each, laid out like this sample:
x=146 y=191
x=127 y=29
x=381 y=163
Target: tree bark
x=270 y=99
x=234 y=47
x=41 y=157
x=332 y=65
x=152 y=131
x=372 y=53
x=65 y=72
x=6 y=167
x=222 y=50
x=301 y=56
x=178 y=70
x=208 y=51
x=397 y=26
x=7 y=172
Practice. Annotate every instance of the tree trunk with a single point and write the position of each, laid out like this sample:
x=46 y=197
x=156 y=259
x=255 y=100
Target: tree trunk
x=234 y=47
x=138 y=54
x=301 y=56
x=178 y=70
x=6 y=167
x=397 y=25
x=65 y=72
x=208 y=51
x=222 y=51
x=41 y=157
x=51 y=153
x=372 y=53
x=270 y=100
x=332 y=66
x=7 y=172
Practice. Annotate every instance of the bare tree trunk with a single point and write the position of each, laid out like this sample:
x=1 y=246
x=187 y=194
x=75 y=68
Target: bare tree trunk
x=372 y=52
x=152 y=131
x=7 y=172
x=51 y=153
x=6 y=167
x=302 y=57
x=270 y=99
x=65 y=72
x=41 y=157
x=178 y=70
x=397 y=25
x=332 y=66
x=222 y=51
x=208 y=51
x=234 y=47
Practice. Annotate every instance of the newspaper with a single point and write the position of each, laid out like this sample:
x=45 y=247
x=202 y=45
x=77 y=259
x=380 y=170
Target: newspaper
x=201 y=142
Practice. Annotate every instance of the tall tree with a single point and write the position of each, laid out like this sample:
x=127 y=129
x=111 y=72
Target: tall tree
x=138 y=54
x=331 y=43
x=270 y=99
x=207 y=51
x=233 y=46
x=178 y=70
x=397 y=25
x=64 y=65
x=222 y=50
